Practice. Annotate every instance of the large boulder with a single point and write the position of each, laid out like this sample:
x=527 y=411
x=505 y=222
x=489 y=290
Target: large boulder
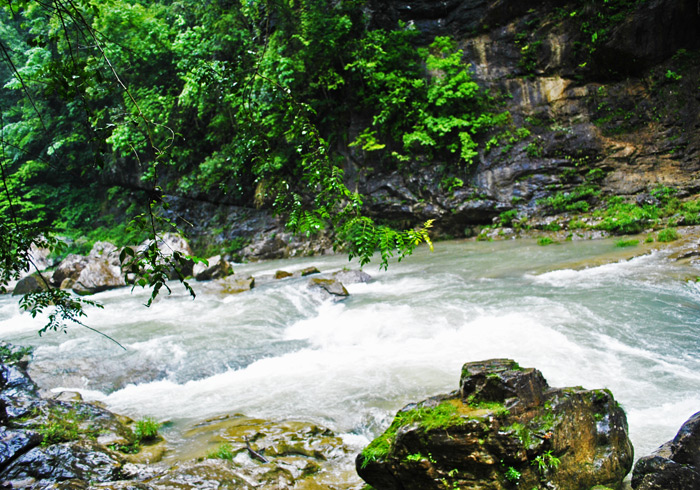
x=69 y=268
x=676 y=464
x=105 y=251
x=98 y=275
x=32 y=284
x=83 y=460
x=504 y=428
x=330 y=288
x=98 y=271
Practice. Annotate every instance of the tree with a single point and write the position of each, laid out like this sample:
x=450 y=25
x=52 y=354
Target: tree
x=87 y=86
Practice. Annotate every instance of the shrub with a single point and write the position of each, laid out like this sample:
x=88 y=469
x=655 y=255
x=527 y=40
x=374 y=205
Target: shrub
x=627 y=218
x=506 y=218
x=545 y=240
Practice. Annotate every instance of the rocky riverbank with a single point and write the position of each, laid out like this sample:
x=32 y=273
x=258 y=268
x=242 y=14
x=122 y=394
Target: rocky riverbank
x=64 y=443
x=504 y=428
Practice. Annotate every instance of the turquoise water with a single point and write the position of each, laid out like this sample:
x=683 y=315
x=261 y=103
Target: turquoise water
x=282 y=351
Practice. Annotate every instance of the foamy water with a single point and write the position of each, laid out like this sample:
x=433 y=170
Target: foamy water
x=282 y=352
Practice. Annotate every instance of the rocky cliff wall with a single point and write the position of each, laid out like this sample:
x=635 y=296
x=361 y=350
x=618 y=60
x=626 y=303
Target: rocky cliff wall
x=600 y=94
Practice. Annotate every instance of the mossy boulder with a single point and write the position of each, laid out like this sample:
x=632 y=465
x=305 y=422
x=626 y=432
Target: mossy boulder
x=504 y=428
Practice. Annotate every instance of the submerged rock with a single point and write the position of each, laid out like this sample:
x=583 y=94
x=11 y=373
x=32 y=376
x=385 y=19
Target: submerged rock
x=676 y=464
x=504 y=427
x=330 y=287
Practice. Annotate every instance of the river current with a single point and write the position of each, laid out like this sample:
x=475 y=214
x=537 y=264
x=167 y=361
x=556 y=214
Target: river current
x=581 y=312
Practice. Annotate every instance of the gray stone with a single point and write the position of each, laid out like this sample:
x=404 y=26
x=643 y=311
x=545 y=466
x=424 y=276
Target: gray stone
x=216 y=267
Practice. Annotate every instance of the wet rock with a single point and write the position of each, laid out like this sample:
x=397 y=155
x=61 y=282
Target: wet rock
x=18 y=392
x=32 y=284
x=676 y=464
x=504 y=427
x=296 y=453
x=282 y=274
x=82 y=460
x=217 y=267
x=351 y=277
x=309 y=271
x=207 y=475
x=330 y=287
x=266 y=247
x=236 y=285
x=40 y=257
x=14 y=443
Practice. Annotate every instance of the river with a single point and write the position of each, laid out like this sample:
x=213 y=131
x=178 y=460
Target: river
x=580 y=312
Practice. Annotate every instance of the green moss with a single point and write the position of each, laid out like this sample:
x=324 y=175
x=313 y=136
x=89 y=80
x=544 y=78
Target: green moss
x=521 y=432
x=126 y=448
x=443 y=415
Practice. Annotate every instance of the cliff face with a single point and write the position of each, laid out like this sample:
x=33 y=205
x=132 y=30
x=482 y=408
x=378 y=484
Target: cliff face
x=610 y=87
x=600 y=94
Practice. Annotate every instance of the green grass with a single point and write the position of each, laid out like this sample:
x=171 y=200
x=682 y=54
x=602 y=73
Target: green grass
x=545 y=240
x=667 y=235
x=626 y=218
x=574 y=201
x=626 y=243
x=225 y=451
x=64 y=425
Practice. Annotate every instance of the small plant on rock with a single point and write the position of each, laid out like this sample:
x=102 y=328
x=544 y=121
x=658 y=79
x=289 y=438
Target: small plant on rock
x=146 y=429
x=512 y=474
x=546 y=461
x=225 y=451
